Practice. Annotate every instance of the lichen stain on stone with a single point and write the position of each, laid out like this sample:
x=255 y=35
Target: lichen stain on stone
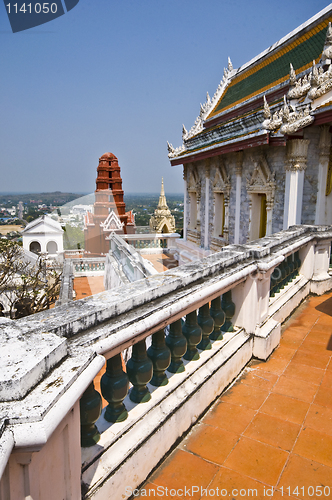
x=56 y=383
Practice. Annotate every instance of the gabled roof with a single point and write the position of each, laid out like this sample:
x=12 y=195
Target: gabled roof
x=238 y=117
x=272 y=68
x=43 y=224
x=112 y=222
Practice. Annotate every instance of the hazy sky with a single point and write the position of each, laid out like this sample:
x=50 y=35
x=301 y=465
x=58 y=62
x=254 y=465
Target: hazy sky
x=121 y=76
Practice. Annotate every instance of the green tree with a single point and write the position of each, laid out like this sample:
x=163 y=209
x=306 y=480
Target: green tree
x=29 y=286
x=73 y=237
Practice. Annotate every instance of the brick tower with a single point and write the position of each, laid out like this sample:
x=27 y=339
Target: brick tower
x=109 y=208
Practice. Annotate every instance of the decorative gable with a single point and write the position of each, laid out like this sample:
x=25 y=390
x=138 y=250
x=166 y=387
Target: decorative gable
x=112 y=223
x=194 y=185
x=262 y=179
x=221 y=182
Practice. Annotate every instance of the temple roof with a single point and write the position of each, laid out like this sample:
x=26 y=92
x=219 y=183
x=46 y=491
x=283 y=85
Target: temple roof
x=239 y=116
x=264 y=74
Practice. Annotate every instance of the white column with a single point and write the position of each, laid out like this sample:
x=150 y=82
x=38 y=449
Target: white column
x=269 y=210
x=185 y=207
x=324 y=154
x=207 y=202
x=297 y=150
x=238 y=171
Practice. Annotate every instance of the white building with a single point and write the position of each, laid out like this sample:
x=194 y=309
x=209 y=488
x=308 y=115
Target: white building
x=43 y=235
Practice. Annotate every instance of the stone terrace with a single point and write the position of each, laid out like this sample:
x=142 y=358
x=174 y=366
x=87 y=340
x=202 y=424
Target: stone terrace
x=271 y=429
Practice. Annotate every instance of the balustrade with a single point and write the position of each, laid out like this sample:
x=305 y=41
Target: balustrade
x=160 y=356
x=177 y=344
x=90 y=410
x=285 y=273
x=88 y=265
x=140 y=370
x=114 y=388
x=225 y=326
x=218 y=317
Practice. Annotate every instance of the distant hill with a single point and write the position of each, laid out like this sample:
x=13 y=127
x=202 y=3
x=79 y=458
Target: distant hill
x=56 y=198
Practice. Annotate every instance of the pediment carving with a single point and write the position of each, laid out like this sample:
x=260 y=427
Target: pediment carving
x=194 y=184
x=262 y=179
x=112 y=222
x=221 y=182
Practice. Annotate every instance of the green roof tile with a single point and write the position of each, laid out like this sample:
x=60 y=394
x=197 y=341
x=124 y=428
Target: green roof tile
x=301 y=55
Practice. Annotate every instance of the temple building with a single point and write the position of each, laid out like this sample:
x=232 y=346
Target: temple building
x=43 y=235
x=162 y=221
x=258 y=158
x=109 y=210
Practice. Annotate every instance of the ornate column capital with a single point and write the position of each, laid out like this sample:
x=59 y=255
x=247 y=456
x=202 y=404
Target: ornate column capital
x=297 y=151
x=185 y=170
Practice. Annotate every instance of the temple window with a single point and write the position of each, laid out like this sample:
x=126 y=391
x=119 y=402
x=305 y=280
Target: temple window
x=258 y=216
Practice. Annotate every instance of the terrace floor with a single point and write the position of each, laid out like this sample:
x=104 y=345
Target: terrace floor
x=160 y=261
x=85 y=286
x=270 y=434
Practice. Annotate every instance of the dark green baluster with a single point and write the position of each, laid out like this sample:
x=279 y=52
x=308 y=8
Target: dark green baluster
x=273 y=282
x=114 y=387
x=285 y=273
x=297 y=263
x=177 y=344
x=291 y=268
x=160 y=356
x=90 y=410
x=278 y=270
x=139 y=370
x=218 y=317
x=228 y=307
x=193 y=333
x=207 y=325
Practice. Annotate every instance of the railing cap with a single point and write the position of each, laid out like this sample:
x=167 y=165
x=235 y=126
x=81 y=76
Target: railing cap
x=26 y=358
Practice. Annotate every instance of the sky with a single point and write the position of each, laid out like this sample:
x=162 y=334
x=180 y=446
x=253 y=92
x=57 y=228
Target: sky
x=121 y=76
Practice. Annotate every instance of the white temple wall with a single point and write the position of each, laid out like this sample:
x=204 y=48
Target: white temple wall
x=276 y=158
x=311 y=176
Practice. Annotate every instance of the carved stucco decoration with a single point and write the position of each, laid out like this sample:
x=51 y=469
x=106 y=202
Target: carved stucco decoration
x=302 y=95
x=172 y=152
x=301 y=87
x=271 y=122
x=296 y=157
x=294 y=121
x=262 y=180
x=194 y=183
x=221 y=182
x=327 y=51
x=321 y=82
x=112 y=222
x=287 y=119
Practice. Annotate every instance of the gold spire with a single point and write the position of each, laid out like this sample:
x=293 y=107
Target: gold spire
x=163 y=220
x=162 y=205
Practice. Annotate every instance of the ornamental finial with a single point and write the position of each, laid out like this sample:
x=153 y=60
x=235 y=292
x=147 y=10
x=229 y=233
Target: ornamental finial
x=292 y=75
x=267 y=112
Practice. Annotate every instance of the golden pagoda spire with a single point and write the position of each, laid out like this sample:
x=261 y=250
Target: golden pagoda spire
x=163 y=220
